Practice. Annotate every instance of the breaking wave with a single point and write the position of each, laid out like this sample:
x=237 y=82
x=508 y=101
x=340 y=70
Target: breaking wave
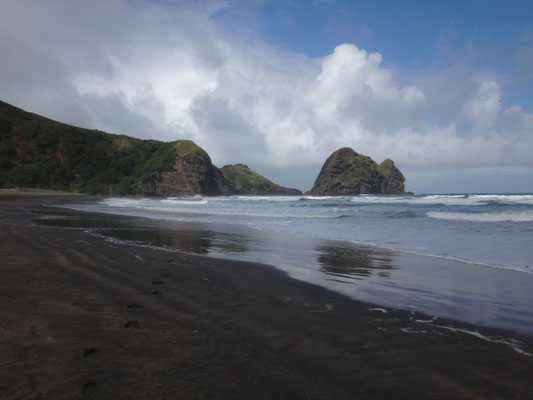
x=526 y=216
x=447 y=200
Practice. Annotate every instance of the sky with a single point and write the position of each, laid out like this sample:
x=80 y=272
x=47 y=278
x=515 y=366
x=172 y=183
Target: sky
x=442 y=88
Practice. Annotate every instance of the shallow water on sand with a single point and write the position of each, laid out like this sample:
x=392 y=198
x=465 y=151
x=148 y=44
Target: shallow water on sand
x=495 y=230
x=436 y=286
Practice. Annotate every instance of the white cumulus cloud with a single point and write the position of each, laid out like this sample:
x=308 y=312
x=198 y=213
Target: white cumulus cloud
x=155 y=70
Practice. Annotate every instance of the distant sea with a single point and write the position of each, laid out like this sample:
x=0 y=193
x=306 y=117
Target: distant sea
x=464 y=256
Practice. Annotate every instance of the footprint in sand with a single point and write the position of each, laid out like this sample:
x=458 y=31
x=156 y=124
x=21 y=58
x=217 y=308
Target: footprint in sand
x=157 y=292
x=157 y=283
x=89 y=388
x=90 y=351
x=133 y=305
x=131 y=324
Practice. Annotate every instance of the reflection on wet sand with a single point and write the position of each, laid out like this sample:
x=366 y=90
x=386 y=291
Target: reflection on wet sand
x=353 y=263
x=190 y=241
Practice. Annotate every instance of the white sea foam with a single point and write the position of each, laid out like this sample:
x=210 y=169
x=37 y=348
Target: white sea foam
x=382 y=310
x=278 y=198
x=409 y=330
x=144 y=202
x=166 y=205
x=524 y=216
x=505 y=198
x=178 y=201
x=268 y=198
x=317 y=197
x=124 y=202
x=168 y=210
x=426 y=321
x=430 y=199
x=514 y=344
x=447 y=200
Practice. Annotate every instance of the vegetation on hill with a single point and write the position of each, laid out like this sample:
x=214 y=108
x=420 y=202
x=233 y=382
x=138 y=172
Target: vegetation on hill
x=243 y=180
x=42 y=153
x=38 y=152
x=346 y=172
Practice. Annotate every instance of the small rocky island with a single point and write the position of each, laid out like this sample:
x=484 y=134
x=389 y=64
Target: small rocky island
x=346 y=172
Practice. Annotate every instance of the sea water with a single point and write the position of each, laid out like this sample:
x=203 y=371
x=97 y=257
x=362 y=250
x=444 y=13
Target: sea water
x=462 y=256
x=495 y=229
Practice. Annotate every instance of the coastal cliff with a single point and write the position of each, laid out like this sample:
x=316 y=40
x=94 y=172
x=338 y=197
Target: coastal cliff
x=346 y=172
x=38 y=152
x=191 y=173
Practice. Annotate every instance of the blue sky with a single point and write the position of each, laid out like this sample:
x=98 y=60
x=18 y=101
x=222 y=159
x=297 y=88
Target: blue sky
x=442 y=88
x=413 y=35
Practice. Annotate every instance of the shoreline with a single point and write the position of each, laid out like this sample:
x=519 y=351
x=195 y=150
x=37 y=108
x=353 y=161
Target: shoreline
x=353 y=243
x=86 y=317
x=437 y=286
x=515 y=267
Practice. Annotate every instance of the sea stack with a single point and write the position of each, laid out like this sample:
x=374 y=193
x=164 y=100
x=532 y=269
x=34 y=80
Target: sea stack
x=346 y=172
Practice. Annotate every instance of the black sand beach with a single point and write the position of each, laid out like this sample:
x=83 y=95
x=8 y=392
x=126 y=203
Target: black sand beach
x=85 y=317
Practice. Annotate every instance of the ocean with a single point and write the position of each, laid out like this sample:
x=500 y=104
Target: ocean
x=459 y=256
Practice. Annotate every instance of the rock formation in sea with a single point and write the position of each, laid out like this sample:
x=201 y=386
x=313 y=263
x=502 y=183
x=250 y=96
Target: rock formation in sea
x=393 y=178
x=346 y=172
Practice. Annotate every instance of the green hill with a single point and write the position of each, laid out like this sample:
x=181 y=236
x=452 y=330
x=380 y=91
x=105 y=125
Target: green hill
x=42 y=153
x=243 y=180
x=38 y=152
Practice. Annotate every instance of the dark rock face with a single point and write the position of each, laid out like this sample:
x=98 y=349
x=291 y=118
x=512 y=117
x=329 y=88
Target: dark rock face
x=243 y=180
x=393 y=179
x=192 y=173
x=346 y=172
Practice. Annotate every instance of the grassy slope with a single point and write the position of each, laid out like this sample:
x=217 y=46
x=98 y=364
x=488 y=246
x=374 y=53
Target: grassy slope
x=243 y=180
x=42 y=153
x=361 y=169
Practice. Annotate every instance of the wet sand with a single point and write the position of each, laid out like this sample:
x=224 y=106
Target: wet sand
x=84 y=317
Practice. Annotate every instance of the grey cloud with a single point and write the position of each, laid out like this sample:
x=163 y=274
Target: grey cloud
x=172 y=70
x=229 y=135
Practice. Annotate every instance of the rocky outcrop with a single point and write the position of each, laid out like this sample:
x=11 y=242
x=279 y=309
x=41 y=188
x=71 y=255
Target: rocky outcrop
x=243 y=180
x=192 y=173
x=346 y=172
x=393 y=179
